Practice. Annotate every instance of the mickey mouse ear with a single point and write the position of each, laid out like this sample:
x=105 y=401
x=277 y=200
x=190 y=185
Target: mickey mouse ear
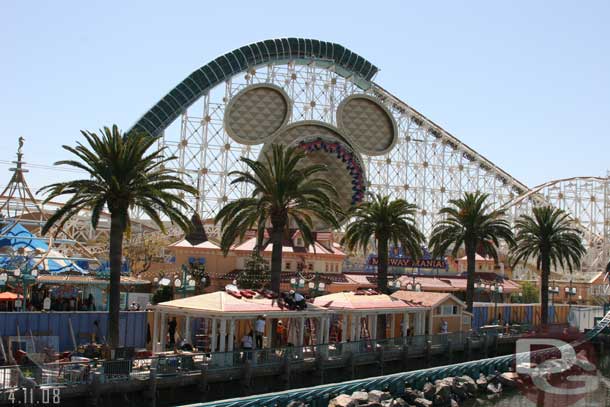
x=368 y=123
x=257 y=113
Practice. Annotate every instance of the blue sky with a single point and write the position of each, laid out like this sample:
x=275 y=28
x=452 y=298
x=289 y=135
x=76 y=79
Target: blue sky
x=525 y=84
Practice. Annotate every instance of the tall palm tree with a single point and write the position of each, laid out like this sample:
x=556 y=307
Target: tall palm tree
x=384 y=221
x=549 y=238
x=123 y=175
x=285 y=190
x=470 y=223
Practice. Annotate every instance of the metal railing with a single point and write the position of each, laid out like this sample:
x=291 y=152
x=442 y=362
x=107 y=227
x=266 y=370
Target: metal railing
x=82 y=372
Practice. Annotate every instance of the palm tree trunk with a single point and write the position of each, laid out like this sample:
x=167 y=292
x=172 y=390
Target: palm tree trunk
x=544 y=289
x=382 y=280
x=114 y=302
x=382 y=264
x=277 y=234
x=471 y=253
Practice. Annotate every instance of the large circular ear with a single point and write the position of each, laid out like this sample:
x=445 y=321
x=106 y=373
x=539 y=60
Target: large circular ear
x=323 y=144
x=257 y=113
x=368 y=123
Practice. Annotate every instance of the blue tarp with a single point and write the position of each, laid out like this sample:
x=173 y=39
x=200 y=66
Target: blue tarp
x=18 y=237
x=55 y=324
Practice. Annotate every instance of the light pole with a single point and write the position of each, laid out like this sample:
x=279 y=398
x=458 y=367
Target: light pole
x=24 y=279
x=570 y=292
x=316 y=287
x=413 y=285
x=394 y=285
x=296 y=283
x=496 y=289
x=553 y=291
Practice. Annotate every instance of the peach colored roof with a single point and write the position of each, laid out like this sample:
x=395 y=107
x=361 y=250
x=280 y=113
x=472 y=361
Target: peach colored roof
x=207 y=245
x=428 y=283
x=221 y=302
x=427 y=299
x=317 y=248
x=186 y=244
x=477 y=257
x=358 y=279
x=353 y=301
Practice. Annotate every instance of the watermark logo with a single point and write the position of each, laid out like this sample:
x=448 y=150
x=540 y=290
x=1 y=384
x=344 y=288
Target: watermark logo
x=556 y=368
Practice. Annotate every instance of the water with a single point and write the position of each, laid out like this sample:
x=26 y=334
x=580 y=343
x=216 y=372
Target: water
x=597 y=398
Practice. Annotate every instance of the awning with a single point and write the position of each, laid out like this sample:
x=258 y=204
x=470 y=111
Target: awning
x=222 y=304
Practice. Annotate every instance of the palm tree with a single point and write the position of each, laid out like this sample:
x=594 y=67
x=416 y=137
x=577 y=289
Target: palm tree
x=550 y=239
x=386 y=221
x=470 y=223
x=123 y=175
x=285 y=190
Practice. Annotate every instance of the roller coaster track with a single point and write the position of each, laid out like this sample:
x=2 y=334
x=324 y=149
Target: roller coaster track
x=320 y=395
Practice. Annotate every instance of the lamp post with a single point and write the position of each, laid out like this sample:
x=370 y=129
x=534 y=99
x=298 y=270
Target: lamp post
x=496 y=289
x=570 y=292
x=296 y=283
x=187 y=283
x=24 y=278
x=316 y=287
x=413 y=285
x=394 y=285
x=553 y=291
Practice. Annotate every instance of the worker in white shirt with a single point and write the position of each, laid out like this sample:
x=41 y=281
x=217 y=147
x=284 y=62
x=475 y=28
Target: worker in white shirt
x=259 y=331
x=246 y=344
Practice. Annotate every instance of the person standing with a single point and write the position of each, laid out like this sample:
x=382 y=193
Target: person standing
x=246 y=345
x=259 y=331
x=281 y=334
x=171 y=330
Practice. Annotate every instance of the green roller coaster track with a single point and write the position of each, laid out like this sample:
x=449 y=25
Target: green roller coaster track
x=318 y=396
x=345 y=63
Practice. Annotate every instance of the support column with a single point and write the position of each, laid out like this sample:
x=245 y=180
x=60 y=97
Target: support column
x=214 y=339
x=373 y=326
x=392 y=325
x=231 y=335
x=405 y=324
x=187 y=330
x=155 y=338
x=223 y=335
x=301 y=338
x=162 y=330
x=344 y=325
x=358 y=326
x=352 y=328
x=320 y=327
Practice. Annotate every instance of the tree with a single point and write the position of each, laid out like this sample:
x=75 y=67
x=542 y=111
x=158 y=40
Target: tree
x=285 y=190
x=549 y=238
x=384 y=221
x=162 y=294
x=255 y=274
x=529 y=293
x=123 y=175
x=470 y=223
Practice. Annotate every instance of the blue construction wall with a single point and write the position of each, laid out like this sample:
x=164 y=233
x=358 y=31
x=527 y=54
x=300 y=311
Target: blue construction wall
x=55 y=324
x=483 y=314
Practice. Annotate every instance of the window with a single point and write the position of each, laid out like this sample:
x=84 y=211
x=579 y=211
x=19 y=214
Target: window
x=310 y=267
x=299 y=242
x=288 y=265
x=448 y=310
x=326 y=267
